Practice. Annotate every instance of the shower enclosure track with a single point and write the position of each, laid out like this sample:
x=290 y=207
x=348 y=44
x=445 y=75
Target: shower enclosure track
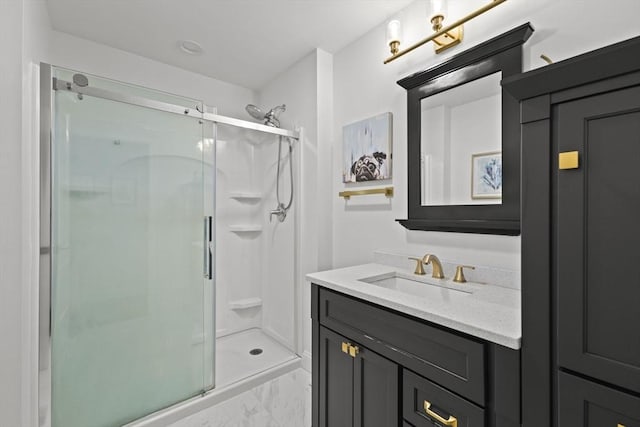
x=199 y=110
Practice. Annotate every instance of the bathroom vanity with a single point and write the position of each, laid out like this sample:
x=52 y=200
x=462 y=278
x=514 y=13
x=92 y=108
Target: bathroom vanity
x=391 y=348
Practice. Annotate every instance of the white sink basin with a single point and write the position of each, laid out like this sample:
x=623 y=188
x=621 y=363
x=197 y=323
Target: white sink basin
x=417 y=288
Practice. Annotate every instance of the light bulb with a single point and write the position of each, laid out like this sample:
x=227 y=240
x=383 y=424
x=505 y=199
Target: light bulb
x=393 y=31
x=393 y=36
x=437 y=8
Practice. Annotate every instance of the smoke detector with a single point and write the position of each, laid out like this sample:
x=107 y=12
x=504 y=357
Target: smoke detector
x=190 y=47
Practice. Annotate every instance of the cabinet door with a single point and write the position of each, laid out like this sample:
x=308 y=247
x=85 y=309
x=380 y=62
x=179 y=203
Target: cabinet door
x=376 y=397
x=598 y=235
x=583 y=403
x=336 y=381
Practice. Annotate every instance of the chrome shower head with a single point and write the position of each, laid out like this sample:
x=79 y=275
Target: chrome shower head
x=270 y=118
x=255 y=112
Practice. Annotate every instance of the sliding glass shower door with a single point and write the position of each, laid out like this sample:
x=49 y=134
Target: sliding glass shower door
x=131 y=303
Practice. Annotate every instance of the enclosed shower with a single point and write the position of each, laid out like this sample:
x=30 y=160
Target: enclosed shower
x=162 y=278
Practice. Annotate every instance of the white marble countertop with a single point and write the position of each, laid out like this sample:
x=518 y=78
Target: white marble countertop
x=487 y=311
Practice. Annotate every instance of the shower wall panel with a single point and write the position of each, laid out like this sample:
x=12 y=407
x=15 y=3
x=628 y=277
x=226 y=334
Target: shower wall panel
x=279 y=246
x=256 y=252
x=239 y=221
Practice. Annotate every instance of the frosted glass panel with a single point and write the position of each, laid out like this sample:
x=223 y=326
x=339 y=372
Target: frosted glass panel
x=131 y=311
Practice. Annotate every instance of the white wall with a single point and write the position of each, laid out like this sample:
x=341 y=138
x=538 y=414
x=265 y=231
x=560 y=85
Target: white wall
x=324 y=188
x=11 y=44
x=23 y=27
x=306 y=89
x=364 y=87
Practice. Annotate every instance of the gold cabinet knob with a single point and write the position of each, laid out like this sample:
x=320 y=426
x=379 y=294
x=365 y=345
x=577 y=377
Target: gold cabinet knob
x=459 y=276
x=568 y=160
x=345 y=347
x=419 y=266
x=353 y=350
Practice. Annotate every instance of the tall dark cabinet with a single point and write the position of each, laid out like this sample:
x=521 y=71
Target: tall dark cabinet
x=580 y=123
x=598 y=235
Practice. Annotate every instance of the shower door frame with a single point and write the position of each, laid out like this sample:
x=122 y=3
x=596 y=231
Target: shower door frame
x=48 y=85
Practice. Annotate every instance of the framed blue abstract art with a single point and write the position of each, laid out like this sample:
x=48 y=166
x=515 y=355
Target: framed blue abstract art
x=486 y=175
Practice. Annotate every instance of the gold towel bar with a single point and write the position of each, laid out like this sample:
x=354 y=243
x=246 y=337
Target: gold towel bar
x=387 y=191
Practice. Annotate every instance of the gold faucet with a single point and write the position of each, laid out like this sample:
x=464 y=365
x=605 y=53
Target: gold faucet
x=435 y=264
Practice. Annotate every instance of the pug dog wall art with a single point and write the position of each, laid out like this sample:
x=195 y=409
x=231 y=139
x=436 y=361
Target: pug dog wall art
x=367 y=149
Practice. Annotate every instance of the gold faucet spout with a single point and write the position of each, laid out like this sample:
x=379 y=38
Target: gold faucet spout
x=435 y=265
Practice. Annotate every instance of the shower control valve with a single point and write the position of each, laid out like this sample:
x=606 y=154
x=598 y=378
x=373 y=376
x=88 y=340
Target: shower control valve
x=280 y=212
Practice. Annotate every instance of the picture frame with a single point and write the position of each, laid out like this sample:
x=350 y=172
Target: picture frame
x=367 y=149
x=486 y=175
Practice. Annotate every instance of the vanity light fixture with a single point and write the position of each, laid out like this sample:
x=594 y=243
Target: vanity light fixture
x=443 y=37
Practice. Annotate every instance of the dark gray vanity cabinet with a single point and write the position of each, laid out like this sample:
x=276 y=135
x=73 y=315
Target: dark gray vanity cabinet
x=373 y=366
x=580 y=233
x=358 y=387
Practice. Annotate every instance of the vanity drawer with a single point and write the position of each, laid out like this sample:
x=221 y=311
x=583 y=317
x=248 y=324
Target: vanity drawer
x=583 y=403
x=427 y=404
x=446 y=358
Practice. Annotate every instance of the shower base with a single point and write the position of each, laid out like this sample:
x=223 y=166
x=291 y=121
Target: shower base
x=236 y=371
x=235 y=362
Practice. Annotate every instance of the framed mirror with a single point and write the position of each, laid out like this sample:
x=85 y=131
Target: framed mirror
x=464 y=141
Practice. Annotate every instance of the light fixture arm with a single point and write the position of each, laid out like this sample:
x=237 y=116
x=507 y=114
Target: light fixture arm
x=444 y=30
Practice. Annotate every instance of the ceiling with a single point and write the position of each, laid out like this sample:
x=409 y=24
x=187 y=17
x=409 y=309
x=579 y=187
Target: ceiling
x=245 y=42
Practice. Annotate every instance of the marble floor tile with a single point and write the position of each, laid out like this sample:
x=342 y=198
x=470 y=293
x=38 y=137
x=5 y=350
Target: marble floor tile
x=282 y=402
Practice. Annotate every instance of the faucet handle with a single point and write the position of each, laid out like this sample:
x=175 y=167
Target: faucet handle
x=419 y=267
x=459 y=277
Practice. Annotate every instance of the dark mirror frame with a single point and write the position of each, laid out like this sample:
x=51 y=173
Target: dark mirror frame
x=501 y=53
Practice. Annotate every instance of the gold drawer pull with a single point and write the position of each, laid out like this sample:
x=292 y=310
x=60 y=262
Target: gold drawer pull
x=620 y=425
x=451 y=422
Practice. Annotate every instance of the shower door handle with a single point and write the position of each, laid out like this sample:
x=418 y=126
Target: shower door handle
x=208 y=234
